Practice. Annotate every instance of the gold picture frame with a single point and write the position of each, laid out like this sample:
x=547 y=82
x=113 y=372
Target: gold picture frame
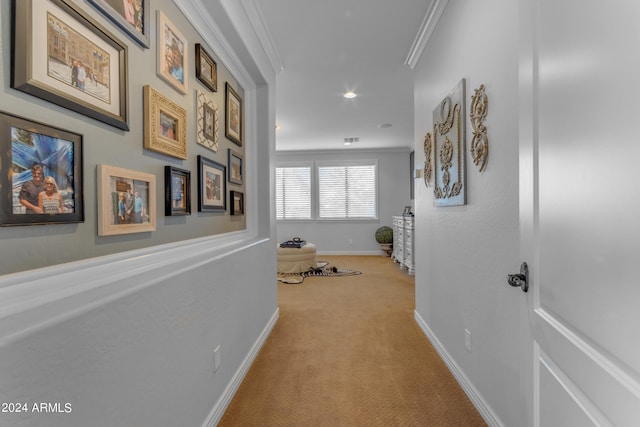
x=116 y=213
x=165 y=124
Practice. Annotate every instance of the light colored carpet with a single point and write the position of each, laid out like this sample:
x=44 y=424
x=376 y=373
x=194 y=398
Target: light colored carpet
x=346 y=351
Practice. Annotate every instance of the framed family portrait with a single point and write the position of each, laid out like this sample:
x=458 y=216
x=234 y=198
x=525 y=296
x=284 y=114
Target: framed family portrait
x=206 y=68
x=172 y=54
x=126 y=201
x=237 y=203
x=212 y=188
x=233 y=115
x=207 y=121
x=235 y=167
x=41 y=180
x=165 y=124
x=65 y=57
x=132 y=16
x=177 y=191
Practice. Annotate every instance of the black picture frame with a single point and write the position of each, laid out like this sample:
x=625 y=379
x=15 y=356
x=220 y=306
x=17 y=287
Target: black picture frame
x=58 y=152
x=206 y=68
x=235 y=164
x=236 y=205
x=38 y=26
x=177 y=191
x=212 y=185
x=233 y=117
x=135 y=25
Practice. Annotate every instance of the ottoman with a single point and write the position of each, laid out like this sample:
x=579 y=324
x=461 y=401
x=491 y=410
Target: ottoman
x=296 y=260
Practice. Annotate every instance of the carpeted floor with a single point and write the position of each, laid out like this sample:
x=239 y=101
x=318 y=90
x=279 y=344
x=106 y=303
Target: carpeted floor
x=346 y=351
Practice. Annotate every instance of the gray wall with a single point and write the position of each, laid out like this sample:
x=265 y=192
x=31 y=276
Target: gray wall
x=27 y=247
x=353 y=237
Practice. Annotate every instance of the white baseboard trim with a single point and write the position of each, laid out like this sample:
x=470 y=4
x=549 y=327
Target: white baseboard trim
x=472 y=392
x=320 y=253
x=223 y=402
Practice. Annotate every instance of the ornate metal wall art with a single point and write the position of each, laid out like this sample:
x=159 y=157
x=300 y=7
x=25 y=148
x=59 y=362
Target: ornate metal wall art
x=449 y=149
x=428 y=162
x=479 y=142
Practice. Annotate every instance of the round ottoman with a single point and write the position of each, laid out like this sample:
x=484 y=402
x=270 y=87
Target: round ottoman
x=296 y=260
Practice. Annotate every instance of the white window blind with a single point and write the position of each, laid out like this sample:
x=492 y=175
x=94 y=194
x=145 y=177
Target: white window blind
x=293 y=192
x=347 y=191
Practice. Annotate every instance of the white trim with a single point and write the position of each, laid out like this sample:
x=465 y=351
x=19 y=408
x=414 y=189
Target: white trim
x=330 y=253
x=474 y=395
x=256 y=19
x=427 y=28
x=223 y=402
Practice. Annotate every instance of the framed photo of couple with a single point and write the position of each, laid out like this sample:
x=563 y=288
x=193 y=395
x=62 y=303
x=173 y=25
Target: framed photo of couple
x=62 y=55
x=126 y=201
x=42 y=177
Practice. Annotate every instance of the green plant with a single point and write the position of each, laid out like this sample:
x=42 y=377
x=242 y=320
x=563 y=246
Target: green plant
x=384 y=235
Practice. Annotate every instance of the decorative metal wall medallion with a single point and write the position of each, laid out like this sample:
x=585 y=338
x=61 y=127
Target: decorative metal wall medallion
x=449 y=149
x=479 y=142
x=428 y=162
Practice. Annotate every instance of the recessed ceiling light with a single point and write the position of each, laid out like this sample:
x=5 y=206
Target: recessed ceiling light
x=350 y=95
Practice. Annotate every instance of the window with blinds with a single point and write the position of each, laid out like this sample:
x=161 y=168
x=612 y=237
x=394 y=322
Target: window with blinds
x=293 y=192
x=347 y=191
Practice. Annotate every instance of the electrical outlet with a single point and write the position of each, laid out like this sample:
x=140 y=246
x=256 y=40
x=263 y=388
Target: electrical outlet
x=216 y=359
x=467 y=340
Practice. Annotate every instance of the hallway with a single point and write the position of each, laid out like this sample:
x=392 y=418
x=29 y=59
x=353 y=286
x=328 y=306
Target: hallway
x=346 y=351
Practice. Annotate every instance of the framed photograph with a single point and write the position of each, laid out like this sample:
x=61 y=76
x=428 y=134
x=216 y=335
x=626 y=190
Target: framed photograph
x=172 y=54
x=65 y=57
x=207 y=116
x=233 y=115
x=206 y=68
x=126 y=201
x=212 y=188
x=177 y=191
x=41 y=180
x=132 y=16
x=235 y=167
x=237 y=203
x=165 y=124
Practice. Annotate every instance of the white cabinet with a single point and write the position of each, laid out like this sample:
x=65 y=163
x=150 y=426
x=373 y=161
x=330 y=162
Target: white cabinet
x=403 y=242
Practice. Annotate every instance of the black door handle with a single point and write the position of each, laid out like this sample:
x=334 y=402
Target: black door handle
x=520 y=280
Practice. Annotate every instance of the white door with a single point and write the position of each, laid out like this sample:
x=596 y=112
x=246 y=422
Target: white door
x=580 y=210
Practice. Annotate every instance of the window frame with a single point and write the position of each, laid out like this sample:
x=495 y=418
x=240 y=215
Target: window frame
x=307 y=164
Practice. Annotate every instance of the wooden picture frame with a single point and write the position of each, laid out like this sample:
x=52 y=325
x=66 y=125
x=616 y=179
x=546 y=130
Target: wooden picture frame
x=118 y=185
x=29 y=149
x=233 y=117
x=172 y=54
x=237 y=202
x=207 y=121
x=65 y=57
x=212 y=186
x=235 y=164
x=177 y=191
x=165 y=124
x=206 y=69
x=132 y=17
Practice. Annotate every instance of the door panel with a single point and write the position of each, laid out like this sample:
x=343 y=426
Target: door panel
x=580 y=209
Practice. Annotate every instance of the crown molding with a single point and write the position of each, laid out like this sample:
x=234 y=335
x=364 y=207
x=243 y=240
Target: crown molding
x=427 y=28
x=256 y=19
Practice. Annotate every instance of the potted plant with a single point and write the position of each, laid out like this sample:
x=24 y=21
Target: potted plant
x=384 y=236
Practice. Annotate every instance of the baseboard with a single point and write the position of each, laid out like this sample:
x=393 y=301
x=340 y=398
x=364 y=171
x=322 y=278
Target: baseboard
x=476 y=398
x=223 y=402
x=320 y=253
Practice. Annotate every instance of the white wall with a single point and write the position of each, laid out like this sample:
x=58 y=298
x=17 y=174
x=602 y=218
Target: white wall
x=463 y=253
x=129 y=338
x=353 y=237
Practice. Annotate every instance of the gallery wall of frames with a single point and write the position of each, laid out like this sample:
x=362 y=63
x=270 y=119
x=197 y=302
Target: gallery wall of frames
x=119 y=129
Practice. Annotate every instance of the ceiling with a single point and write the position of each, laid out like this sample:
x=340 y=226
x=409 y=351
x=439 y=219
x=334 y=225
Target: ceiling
x=329 y=47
